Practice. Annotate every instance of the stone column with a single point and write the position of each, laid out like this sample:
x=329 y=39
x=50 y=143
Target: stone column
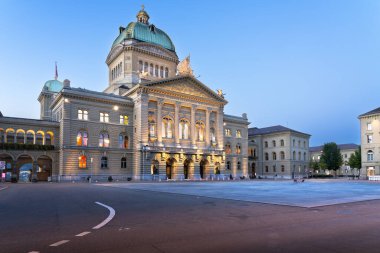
x=193 y=135
x=176 y=124
x=207 y=125
x=160 y=102
x=219 y=128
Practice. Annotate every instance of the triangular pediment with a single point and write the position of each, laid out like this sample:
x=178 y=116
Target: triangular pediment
x=186 y=86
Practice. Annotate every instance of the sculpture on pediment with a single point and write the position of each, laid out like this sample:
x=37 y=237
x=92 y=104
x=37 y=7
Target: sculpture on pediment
x=220 y=93
x=184 y=67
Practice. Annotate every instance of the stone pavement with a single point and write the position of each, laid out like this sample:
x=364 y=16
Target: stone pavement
x=311 y=193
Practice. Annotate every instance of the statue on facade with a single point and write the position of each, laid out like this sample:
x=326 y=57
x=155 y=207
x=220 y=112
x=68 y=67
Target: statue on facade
x=184 y=67
x=220 y=93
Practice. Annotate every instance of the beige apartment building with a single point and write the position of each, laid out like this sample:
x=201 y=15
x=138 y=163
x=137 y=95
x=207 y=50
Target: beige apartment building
x=345 y=149
x=370 y=143
x=278 y=152
x=154 y=121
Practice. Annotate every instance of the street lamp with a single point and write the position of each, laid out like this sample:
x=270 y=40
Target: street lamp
x=144 y=151
x=91 y=160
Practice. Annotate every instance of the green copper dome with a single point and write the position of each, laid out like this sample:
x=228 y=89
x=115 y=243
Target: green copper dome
x=53 y=86
x=145 y=33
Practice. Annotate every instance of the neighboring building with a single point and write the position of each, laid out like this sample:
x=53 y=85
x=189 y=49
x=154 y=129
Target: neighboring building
x=345 y=149
x=155 y=120
x=277 y=151
x=370 y=142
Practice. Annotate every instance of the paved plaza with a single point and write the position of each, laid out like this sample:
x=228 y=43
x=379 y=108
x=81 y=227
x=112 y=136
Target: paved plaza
x=311 y=193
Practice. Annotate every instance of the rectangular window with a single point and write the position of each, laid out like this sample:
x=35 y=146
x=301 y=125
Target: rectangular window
x=369 y=138
x=104 y=117
x=238 y=134
x=369 y=126
x=124 y=120
x=82 y=114
x=266 y=169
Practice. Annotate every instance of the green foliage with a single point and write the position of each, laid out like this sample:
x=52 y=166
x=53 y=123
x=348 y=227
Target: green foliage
x=314 y=165
x=355 y=160
x=19 y=146
x=331 y=157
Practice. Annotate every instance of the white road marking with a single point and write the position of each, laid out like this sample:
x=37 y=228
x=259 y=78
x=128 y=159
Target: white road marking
x=59 y=243
x=109 y=218
x=83 y=234
x=3 y=188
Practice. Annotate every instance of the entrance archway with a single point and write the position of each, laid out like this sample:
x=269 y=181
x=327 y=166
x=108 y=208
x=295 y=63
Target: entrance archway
x=253 y=170
x=202 y=168
x=24 y=164
x=170 y=167
x=45 y=167
x=187 y=168
x=217 y=168
x=6 y=161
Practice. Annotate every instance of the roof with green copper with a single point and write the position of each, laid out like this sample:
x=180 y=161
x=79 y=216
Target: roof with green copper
x=53 y=86
x=146 y=33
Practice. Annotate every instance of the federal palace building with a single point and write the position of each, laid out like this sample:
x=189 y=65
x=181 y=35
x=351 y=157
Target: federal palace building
x=154 y=121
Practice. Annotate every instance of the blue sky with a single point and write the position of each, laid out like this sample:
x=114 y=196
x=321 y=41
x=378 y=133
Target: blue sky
x=309 y=65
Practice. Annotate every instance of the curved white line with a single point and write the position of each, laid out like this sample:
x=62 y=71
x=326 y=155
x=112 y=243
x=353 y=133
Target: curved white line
x=109 y=218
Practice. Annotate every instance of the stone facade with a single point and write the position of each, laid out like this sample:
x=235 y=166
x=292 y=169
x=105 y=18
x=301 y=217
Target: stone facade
x=150 y=123
x=278 y=152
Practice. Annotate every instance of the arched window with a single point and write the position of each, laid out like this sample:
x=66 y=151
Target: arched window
x=254 y=152
x=123 y=163
x=20 y=136
x=104 y=162
x=266 y=156
x=228 y=148
x=369 y=155
x=39 y=138
x=156 y=71
x=304 y=144
x=238 y=166
x=104 y=140
x=167 y=128
x=274 y=143
x=294 y=142
x=282 y=155
x=266 y=144
x=82 y=138
x=152 y=128
x=228 y=165
x=141 y=66
x=48 y=139
x=184 y=127
x=282 y=168
x=145 y=67
x=123 y=141
x=282 y=143
x=274 y=156
x=304 y=156
x=166 y=72
x=200 y=127
x=29 y=137
x=299 y=144
x=299 y=156
x=82 y=162
x=161 y=72
x=2 y=136
x=238 y=133
x=227 y=132
x=10 y=135
x=294 y=155
x=151 y=69
x=238 y=149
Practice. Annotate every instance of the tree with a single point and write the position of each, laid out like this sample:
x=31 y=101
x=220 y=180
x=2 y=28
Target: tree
x=355 y=160
x=314 y=165
x=331 y=156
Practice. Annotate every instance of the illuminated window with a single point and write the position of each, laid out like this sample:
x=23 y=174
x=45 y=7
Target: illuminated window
x=369 y=126
x=80 y=114
x=104 y=117
x=39 y=138
x=167 y=128
x=123 y=163
x=124 y=120
x=370 y=155
x=227 y=132
x=238 y=134
x=20 y=137
x=83 y=114
x=212 y=135
x=123 y=141
x=184 y=126
x=82 y=162
x=152 y=128
x=104 y=140
x=10 y=136
x=238 y=149
x=228 y=148
x=29 y=138
x=82 y=138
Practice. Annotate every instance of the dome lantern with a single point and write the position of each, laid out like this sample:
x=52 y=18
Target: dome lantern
x=142 y=16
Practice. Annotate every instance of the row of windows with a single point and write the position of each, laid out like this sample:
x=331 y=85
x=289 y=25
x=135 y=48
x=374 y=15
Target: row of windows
x=103 y=117
x=228 y=150
x=275 y=168
x=153 y=70
x=228 y=165
x=116 y=71
x=227 y=132
x=104 y=140
x=282 y=143
x=82 y=162
x=282 y=156
x=26 y=137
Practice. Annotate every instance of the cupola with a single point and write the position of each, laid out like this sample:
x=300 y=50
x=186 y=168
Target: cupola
x=142 y=16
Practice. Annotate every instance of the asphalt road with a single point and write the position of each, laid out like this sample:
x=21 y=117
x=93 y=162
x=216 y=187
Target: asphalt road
x=35 y=216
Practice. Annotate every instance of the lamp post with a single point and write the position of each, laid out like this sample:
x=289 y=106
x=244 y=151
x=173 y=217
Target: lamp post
x=145 y=148
x=91 y=160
